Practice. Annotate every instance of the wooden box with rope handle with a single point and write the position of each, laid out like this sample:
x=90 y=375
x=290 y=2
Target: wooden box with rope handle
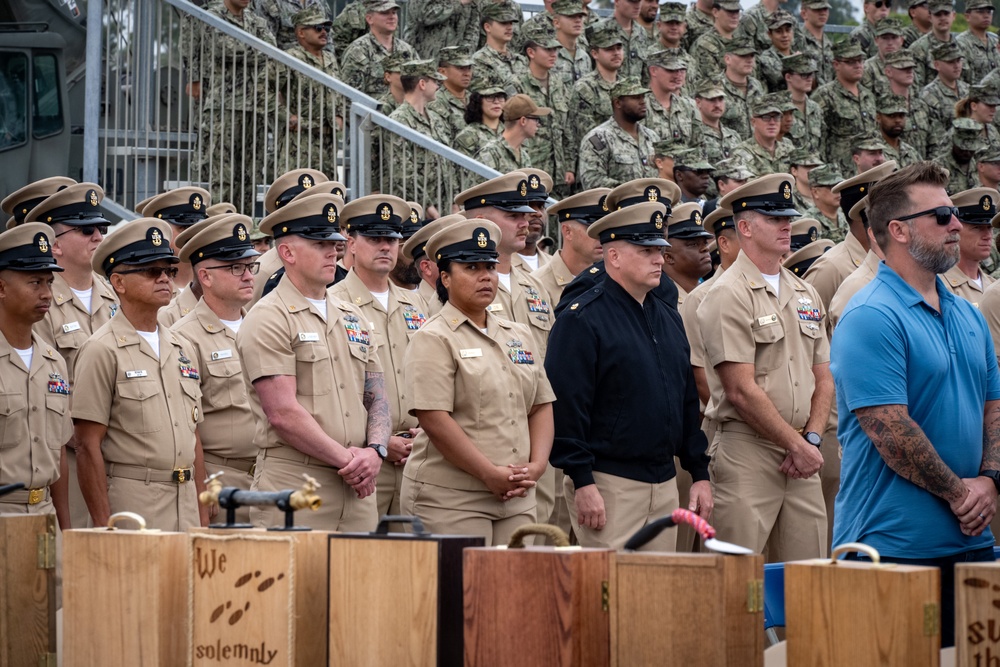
x=862 y=613
x=27 y=589
x=125 y=596
x=696 y=610
x=537 y=605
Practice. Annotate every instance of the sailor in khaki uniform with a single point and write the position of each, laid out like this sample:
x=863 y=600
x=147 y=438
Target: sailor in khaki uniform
x=137 y=399
x=405 y=275
x=976 y=207
x=578 y=251
x=687 y=260
x=225 y=265
x=19 y=203
x=34 y=389
x=318 y=388
x=530 y=258
x=394 y=314
x=415 y=249
x=772 y=387
x=180 y=209
x=82 y=301
x=480 y=392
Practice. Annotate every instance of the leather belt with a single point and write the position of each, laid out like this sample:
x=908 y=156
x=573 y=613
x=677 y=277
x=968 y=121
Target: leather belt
x=26 y=496
x=292 y=454
x=177 y=475
x=745 y=429
x=243 y=465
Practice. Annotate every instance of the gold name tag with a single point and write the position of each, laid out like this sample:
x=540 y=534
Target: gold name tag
x=222 y=354
x=495 y=308
x=309 y=337
x=470 y=353
x=767 y=319
x=135 y=374
x=72 y=326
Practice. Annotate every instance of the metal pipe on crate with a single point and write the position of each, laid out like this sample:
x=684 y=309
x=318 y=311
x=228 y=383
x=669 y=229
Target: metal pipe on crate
x=231 y=498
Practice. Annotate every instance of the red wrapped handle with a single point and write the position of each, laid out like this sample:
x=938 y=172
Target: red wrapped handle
x=690 y=518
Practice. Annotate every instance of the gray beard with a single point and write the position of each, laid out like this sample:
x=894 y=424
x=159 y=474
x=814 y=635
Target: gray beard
x=932 y=258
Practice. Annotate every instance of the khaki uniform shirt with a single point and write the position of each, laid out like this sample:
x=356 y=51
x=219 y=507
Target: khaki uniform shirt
x=527 y=302
x=228 y=428
x=179 y=306
x=518 y=261
x=783 y=336
x=961 y=285
x=429 y=294
x=554 y=276
x=489 y=382
x=990 y=308
x=150 y=405
x=269 y=264
x=34 y=414
x=834 y=266
x=392 y=330
x=68 y=325
x=284 y=335
x=852 y=284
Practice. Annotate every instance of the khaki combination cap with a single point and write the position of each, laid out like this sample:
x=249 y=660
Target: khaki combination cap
x=800 y=260
x=586 y=207
x=977 y=206
x=521 y=106
x=856 y=187
x=414 y=220
x=77 y=204
x=376 y=216
x=316 y=217
x=188 y=233
x=285 y=187
x=221 y=207
x=859 y=212
x=539 y=184
x=804 y=232
x=507 y=193
x=20 y=202
x=226 y=239
x=640 y=224
x=768 y=195
x=468 y=241
x=719 y=220
x=140 y=241
x=325 y=188
x=182 y=206
x=28 y=247
x=415 y=246
x=685 y=223
x=642 y=190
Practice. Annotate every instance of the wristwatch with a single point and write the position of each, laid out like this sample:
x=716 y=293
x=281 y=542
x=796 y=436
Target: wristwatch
x=813 y=438
x=994 y=475
x=379 y=449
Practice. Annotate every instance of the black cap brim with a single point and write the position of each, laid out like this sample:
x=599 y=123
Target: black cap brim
x=320 y=236
x=41 y=265
x=173 y=259
x=514 y=208
x=649 y=243
x=691 y=234
x=378 y=234
x=777 y=212
x=471 y=257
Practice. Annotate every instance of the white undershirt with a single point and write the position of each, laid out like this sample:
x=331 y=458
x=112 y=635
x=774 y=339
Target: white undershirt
x=320 y=306
x=530 y=260
x=234 y=325
x=504 y=279
x=774 y=281
x=85 y=296
x=26 y=356
x=383 y=298
x=978 y=282
x=153 y=338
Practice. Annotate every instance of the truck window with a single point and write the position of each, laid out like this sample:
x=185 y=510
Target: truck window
x=46 y=105
x=13 y=99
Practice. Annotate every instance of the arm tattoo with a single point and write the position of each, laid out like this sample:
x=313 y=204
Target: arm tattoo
x=991 y=437
x=906 y=450
x=379 y=425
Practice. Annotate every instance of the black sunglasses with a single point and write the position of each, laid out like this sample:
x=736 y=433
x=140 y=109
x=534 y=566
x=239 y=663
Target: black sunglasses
x=879 y=4
x=86 y=230
x=153 y=272
x=324 y=27
x=942 y=214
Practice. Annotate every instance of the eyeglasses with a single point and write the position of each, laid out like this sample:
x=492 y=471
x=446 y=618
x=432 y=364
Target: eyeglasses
x=153 y=272
x=942 y=214
x=239 y=269
x=534 y=118
x=86 y=230
x=770 y=118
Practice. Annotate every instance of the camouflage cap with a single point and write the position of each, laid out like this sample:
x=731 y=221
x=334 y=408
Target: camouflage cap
x=311 y=15
x=669 y=59
x=815 y=4
x=498 y=13
x=935 y=6
x=393 y=63
x=779 y=18
x=889 y=105
x=784 y=101
x=827 y=176
x=901 y=59
x=740 y=46
x=803 y=157
x=425 y=69
x=541 y=35
x=800 y=63
x=668 y=147
x=709 y=89
x=967 y=134
x=627 y=87
x=915 y=3
x=734 y=169
x=671 y=11
x=765 y=105
x=602 y=35
x=868 y=141
x=487 y=85
x=691 y=158
x=728 y=5
x=376 y=6
x=990 y=153
x=978 y=4
x=985 y=94
x=568 y=8
x=256 y=234
x=455 y=56
x=889 y=26
x=848 y=49
x=947 y=52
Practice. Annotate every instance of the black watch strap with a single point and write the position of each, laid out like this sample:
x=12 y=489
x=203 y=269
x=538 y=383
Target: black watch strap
x=995 y=476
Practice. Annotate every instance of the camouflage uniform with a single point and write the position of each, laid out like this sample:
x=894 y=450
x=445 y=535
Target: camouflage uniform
x=473 y=137
x=844 y=116
x=759 y=161
x=698 y=23
x=348 y=26
x=753 y=26
x=939 y=101
x=822 y=53
x=960 y=177
x=571 y=68
x=874 y=78
x=388 y=103
x=910 y=35
x=513 y=10
x=589 y=105
x=737 y=115
x=609 y=156
x=361 y=63
x=808 y=129
x=451 y=110
x=433 y=24
x=865 y=36
x=835 y=230
x=540 y=21
x=416 y=168
x=768 y=71
x=918 y=124
x=548 y=148
x=636 y=45
x=708 y=52
x=904 y=156
x=499 y=155
x=278 y=14
x=677 y=124
x=924 y=71
x=715 y=146
x=980 y=59
x=503 y=66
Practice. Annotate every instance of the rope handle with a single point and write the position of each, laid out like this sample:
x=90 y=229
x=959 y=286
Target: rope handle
x=855 y=546
x=555 y=533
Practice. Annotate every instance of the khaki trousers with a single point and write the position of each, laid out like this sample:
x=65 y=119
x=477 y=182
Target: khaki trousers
x=758 y=507
x=447 y=511
x=387 y=487
x=629 y=505
x=231 y=477
x=166 y=506
x=79 y=515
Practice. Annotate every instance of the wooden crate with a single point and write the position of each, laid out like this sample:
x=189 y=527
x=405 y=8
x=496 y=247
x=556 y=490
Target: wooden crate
x=687 y=609
x=125 y=598
x=537 y=606
x=861 y=613
x=977 y=614
x=409 y=586
x=27 y=589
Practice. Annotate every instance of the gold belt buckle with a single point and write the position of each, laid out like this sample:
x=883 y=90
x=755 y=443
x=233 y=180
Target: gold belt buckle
x=36 y=496
x=181 y=475
x=253 y=469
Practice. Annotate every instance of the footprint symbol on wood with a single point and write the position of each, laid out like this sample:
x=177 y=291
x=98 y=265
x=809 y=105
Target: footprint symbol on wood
x=245 y=579
x=975 y=582
x=234 y=617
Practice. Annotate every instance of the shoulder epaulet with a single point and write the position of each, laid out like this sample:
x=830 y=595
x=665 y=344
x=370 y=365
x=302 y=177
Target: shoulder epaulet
x=585 y=299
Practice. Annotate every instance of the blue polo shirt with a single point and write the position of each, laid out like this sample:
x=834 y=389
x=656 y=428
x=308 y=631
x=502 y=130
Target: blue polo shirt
x=891 y=348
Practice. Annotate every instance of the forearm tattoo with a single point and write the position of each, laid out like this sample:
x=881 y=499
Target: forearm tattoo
x=991 y=438
x=379 y=423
